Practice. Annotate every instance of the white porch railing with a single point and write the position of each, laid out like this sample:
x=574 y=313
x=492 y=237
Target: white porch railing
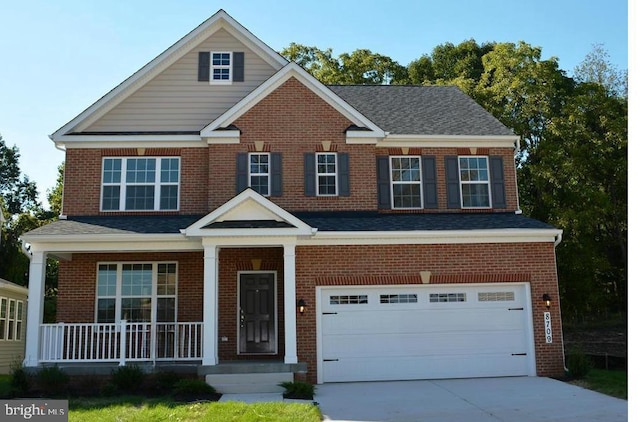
x=120 y=342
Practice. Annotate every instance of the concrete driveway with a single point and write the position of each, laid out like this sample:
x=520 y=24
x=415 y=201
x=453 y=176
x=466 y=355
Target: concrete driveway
x=517 y=399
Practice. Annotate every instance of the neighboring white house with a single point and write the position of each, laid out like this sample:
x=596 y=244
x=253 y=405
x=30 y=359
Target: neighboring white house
x=13 y=302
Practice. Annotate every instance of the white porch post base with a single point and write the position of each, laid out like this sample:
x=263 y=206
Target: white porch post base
x=35 y=308
x=210 y=306
x=290 y=308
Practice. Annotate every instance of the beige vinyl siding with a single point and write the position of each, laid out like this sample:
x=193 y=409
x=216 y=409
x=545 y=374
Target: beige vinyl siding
x=175 y=100
x=12 y=351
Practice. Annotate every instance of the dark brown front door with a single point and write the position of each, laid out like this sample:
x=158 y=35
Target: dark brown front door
x=257 y=328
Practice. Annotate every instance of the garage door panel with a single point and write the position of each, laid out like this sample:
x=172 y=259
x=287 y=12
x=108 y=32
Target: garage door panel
x=446 y=332
x=415 y=367
x=361 y=345
x=426 y=320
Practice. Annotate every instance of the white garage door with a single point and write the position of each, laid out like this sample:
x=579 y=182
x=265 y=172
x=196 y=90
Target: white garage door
x=424 y=332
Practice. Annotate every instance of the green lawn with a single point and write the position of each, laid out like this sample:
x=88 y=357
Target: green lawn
x=158 y=409
x=612 y=382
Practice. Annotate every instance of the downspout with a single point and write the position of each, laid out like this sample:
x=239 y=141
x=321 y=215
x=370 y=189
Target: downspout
x=515 y=171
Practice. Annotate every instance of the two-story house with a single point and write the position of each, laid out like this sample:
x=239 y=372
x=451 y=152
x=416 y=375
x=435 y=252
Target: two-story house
x=224 y=209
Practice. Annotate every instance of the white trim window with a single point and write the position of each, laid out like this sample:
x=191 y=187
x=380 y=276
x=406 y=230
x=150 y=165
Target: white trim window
x=136 y=292
x=19 y=317
x=221 y=67
x=3 y=317
x=11 y=320
x=326 y=174
x=140 y=184
x=475 y=191
x=260 y=172
x=406 y=182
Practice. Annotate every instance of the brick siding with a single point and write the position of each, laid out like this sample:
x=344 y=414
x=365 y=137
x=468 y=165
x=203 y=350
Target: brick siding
x=319 y=265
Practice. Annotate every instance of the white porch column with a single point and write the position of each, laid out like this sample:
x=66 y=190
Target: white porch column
x=35 y=307
x=210 y=306
x=290 y=305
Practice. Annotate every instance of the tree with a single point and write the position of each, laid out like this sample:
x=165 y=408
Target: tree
x=359 y=67
x=597 y=68
x=18 y=193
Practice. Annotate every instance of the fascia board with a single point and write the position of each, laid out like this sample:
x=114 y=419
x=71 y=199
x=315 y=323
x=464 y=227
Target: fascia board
x=219 y=20
x=430 y=237
x=129 y=141
x=15 y=288
x=112 y=243
x=279 y=78
x=445 y=141
x=239 y=234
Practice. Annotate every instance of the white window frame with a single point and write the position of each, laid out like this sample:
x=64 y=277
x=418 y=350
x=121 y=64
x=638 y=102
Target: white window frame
x=327 y=174
x=393 y=183
x=4 y=317
x=11 y=320
x=123 y=184
x=213 y=68
x=251 y=174
x=19 y=319
x=474 y=182
x=118 y=297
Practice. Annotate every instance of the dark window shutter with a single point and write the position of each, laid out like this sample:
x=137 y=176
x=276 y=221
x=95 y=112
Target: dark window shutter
x=276 y=173
x=242 y=172
x=344 y=189
x=384 y=182
x=453 y=183
x=309 y=174
x=429 y=186
x=204 y=66
x=238 y=66
x=496 y=169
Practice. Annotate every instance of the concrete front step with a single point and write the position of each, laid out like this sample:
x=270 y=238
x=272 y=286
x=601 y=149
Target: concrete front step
x=266 y=382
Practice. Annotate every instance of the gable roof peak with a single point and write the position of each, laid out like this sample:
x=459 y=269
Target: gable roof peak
x=220 y=19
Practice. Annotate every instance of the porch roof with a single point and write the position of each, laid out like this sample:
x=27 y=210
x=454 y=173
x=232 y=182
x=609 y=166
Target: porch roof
x=365 y=221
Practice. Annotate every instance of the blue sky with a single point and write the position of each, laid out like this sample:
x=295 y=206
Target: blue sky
x=58 y=57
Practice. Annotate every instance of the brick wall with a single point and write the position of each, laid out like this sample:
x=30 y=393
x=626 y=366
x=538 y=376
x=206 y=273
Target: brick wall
x=330 y=265
x=77 y=283
x=292 y=121
x=533 y=262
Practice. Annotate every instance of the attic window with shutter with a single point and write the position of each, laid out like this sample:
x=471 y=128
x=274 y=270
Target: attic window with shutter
x=221 y=67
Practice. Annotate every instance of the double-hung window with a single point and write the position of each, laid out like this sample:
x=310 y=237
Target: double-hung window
x=327 y=174
x=474 y=181
x=140 y=184
x=221 y=67
x=259 y=173
x=3 y=317
x=406 y=182
x=136 y=292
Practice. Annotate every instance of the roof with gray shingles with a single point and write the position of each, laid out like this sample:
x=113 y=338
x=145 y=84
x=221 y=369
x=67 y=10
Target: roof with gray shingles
x=421 y=110
x=323 y=221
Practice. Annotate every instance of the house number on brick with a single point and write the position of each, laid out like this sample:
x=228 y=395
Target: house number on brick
x=547 y=327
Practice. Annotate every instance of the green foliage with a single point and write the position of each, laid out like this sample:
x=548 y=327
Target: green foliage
x=359 y=67
x=578 y=364
x=298 y=390
x=20 y=381
x=53 y=381
x=127 y=378
x=165 y=380
x=192 y=387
